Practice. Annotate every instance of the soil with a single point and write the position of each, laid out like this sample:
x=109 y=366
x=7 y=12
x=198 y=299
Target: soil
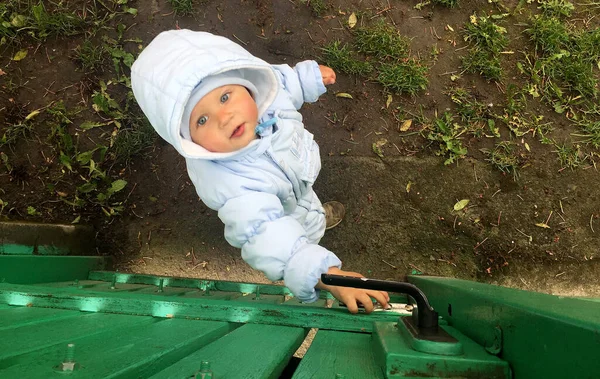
x=392 y=228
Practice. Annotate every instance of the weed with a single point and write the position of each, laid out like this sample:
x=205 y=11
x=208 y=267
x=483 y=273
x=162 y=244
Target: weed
x=447 y=3
x=318 y=6
x=382 y=41
x=90 y=57
x=504 y=157
x=446 y=132
x=409 y=76
x=484 y=63
x=17 y=124
x=558 y=8
x=488 y=40
x=549 y=34
x=341 y=58
x=132 y=141
x=591 y=133
x=474 y=114
x=569 y=156
x=182 y=7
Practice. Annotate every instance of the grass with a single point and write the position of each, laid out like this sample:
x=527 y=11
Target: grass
x=90 y=57
x=182 y=7
x=318 y=7
x=447 y=134
x=556 y=8
x=408 y=76
x=570 y=156
x=487 y=40
x=341 y=58
x=381 y=54
x=45 y=19
x=475 y=116
x=504 y=157
x=382 y=41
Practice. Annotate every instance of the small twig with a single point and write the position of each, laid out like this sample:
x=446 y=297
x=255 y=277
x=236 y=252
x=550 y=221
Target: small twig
x=396 y=148
x=591 y=223
x=236 y=37
x=454 y=226
x=330 y=120
x=415 y=267
x=389 y=264
x=353 y=142
x=495 y=193
x=480 y=243
x=548 y=219
x=530 y=237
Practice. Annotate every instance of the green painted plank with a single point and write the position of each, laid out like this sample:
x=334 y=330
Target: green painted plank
x=135 y=352
x=15 y=317
x=250 y=352
x=30 y=338
x=331 y=353
x=199 y=308
x=29 y=269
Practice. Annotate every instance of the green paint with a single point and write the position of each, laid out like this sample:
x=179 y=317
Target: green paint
x=338 y=353
x=30 y=338
x=205 y=307
x=427 y=346
x=136 y=351
x=16 y=317
x=16 y=249
x=400 y=360
x=30 y=269
x=543 y=336
x=249 y=352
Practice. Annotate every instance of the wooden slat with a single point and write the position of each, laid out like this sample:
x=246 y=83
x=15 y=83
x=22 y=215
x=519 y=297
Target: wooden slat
x=250 y=352
x=135 y=352
x=30 y=338
x=331 y=353
x=15 y=317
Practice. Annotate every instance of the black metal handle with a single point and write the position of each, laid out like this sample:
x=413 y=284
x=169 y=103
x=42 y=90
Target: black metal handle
x=427 y=317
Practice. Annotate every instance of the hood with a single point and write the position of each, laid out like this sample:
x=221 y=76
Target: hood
x=167 y=71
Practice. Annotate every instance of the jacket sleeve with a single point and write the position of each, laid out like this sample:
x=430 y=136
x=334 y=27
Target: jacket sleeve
x=303 y=83
x=275 y=244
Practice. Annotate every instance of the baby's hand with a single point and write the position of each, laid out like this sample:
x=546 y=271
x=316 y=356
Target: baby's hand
x=328 y=75
x=352 y=296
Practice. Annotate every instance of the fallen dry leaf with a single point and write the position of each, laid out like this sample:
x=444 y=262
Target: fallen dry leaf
x=344 y=95
x=406 y=124
x=352 y=20
x=461 y=204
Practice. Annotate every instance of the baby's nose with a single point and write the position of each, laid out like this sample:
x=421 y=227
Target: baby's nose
x=225 y=116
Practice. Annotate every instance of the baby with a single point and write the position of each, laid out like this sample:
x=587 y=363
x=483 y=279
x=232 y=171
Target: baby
x=235 y=119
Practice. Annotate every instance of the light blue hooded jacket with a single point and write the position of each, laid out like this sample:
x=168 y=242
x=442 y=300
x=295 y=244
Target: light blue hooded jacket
x=263 y=192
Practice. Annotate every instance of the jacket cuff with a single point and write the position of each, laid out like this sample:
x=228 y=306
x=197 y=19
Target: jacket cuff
x=304 y=269
x=311 y=80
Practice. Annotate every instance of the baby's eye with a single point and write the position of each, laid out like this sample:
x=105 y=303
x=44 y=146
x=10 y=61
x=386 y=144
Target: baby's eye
x=202 y=120
x=225 y=97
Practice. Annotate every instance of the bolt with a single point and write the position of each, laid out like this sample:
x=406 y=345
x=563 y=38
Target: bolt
x=257 y=297
x=69 y=363
x=205 y=371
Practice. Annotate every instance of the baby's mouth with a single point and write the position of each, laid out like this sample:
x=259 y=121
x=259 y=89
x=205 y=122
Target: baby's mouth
x=238 y=131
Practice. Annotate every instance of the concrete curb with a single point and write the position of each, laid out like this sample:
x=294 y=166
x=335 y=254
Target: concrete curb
x=29 y=238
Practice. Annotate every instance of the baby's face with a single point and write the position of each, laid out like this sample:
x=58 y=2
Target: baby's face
x=225 y=119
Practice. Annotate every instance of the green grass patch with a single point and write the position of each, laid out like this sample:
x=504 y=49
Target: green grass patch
x=382 y=41
x=90 y=57
x=182 y=7
x=487 y=40
x=556 y=8
x=379 y=53
x=408 y=76
x=342 y=59
x=447 y=134
x=569 y=156
x=474 y=115
x=504 y=157
x=318 y=7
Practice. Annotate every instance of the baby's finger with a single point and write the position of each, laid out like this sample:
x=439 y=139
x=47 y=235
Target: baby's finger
x=387 y=295
x=380 y=297
x=365 y=300
x=351 y=305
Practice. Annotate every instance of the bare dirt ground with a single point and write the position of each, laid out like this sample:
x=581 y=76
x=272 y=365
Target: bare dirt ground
x=400 y=205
